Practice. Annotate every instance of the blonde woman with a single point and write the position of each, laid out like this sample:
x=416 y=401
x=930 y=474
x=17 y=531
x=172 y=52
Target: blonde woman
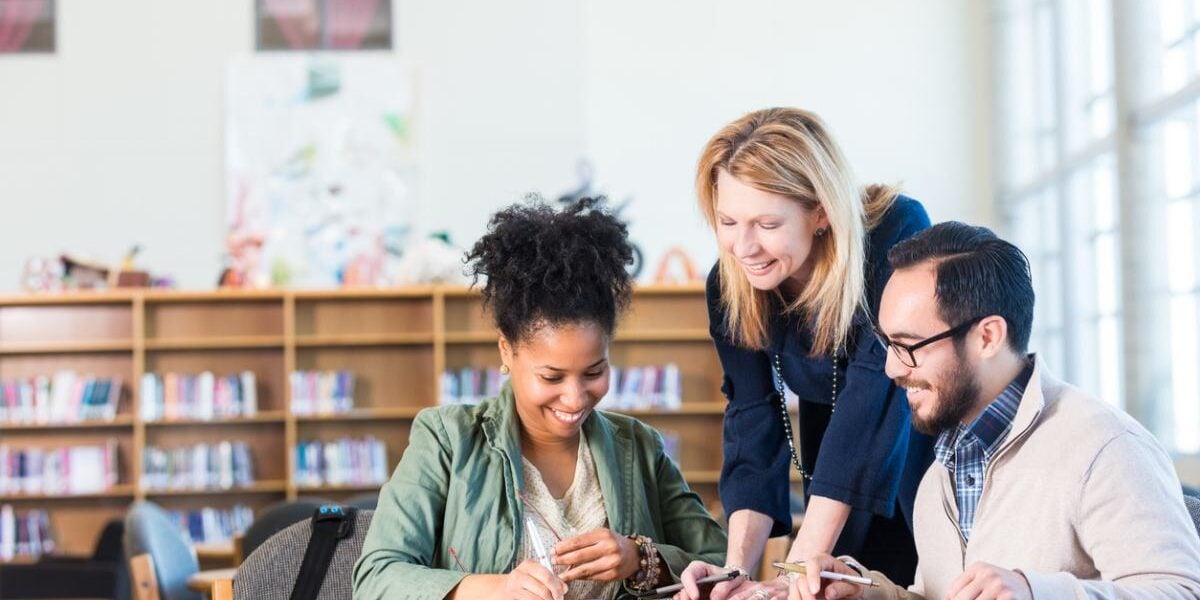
x=803 y=260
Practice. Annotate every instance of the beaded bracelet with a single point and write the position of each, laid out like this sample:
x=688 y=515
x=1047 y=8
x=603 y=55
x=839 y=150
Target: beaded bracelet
x=649 y=566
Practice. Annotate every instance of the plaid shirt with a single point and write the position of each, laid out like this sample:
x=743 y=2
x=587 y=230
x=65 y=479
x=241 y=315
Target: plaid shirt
x=967 y=450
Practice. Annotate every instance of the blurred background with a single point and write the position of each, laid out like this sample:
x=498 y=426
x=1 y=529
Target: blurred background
x=197 y=130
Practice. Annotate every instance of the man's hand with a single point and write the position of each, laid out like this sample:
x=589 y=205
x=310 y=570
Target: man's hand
x=982 y=581
x=810 y=586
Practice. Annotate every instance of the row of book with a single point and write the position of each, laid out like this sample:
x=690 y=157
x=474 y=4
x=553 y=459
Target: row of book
x=322 y=392
x=65 y=397
x=346 y=461
x=24 y=533
x=654 y=387
x=72 y=470
x=213 y=525
x=204 y=396
x=219 y=465
x=470 y=385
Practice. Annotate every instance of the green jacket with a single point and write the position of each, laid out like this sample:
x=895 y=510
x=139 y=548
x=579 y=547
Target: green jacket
x=456 y=487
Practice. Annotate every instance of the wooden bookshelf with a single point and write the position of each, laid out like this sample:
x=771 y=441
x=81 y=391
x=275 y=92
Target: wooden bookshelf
x=397 y=342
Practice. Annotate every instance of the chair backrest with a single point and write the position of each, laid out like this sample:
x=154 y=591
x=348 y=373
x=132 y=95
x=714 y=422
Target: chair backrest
x=276 y=518
x=364 y=501
x=270 y=572
x=150 y=531
x=1193 y=507
x=108 y=545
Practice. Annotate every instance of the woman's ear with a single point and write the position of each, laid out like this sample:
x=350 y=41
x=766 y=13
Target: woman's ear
x=822 y=220
x=506 y=352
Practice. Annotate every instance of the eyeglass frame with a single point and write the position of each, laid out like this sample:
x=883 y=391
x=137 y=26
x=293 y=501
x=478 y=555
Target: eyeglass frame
x=910 y=349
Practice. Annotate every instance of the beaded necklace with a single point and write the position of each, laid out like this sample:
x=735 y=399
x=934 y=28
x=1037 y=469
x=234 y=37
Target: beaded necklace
x=777 y=371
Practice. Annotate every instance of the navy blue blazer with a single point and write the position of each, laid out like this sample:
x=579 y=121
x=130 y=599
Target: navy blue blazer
x=865 y=453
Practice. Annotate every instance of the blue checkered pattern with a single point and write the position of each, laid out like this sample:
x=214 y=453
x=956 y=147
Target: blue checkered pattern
x=967 y=449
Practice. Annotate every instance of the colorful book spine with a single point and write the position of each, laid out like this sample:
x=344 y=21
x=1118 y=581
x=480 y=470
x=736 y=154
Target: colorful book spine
x=342 y=462
x=24 y=534
x=74 y=470
x=221 y=465
x=321 y=392
x=200 y=397
x=469 y=385
x=210 y=525
x=65 y=397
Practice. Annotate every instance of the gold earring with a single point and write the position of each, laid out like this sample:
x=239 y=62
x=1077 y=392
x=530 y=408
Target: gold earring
x=504 y=369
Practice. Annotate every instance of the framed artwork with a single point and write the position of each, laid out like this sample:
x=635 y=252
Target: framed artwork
x=323 y=24
x=321 y=169
x=26 y=26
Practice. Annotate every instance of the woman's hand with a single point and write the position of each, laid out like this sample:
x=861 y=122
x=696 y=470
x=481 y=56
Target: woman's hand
x=532 y=581
x=599 y=555
x=722 y=591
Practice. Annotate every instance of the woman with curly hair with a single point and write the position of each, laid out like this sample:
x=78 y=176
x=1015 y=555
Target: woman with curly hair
x=481 y=487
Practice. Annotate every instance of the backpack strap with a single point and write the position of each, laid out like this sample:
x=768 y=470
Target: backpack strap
x=330 y=524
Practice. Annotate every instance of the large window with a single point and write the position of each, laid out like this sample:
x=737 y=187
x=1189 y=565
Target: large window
x=1099 y=181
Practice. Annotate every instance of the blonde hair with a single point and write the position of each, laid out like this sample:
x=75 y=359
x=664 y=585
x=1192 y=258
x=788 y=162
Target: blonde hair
x=789 y=152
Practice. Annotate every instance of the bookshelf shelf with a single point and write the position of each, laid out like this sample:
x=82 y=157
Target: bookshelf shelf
x=66 y=347
x=270 y=417
x=318 y=489
x=276 y=486
x=364 y=414
x=120 y=422
x=354 y=340
x=117 y=491
x=397 y=343
x=215 y=343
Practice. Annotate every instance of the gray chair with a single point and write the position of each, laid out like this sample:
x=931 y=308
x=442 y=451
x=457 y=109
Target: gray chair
x=1193 y=507
x=276 y=518
x=365 y=500
x=150 y=532
x=270 y=572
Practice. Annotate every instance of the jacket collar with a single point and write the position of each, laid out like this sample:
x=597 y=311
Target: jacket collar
x=611 y=446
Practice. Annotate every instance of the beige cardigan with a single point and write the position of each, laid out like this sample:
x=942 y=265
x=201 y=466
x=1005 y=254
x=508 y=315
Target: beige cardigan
x=1080 y=498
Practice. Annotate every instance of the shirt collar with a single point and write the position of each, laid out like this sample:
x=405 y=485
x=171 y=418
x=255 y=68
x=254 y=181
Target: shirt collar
x=991 y=426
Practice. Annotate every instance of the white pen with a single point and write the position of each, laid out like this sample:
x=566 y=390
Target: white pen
x=799 y=569
x=535 y=540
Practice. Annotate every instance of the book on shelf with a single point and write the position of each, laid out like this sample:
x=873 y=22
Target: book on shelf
x=219 y=465
x=210 y=525
x=653 y=387
x=200 y=397
x=25 y=533
x=72 y=470
x=62 y=398
x=346 y=461
x=470 y=385
x=322 y=392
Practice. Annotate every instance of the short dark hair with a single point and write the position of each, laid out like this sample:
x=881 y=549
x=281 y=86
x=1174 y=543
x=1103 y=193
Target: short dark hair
x=552 y=267
x=978 y=274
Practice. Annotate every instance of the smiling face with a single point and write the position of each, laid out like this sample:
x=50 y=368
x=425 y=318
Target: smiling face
x=943 y=389
x=770 y=235
x=558 y=374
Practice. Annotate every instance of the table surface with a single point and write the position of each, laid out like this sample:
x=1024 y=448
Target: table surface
x=202 y=581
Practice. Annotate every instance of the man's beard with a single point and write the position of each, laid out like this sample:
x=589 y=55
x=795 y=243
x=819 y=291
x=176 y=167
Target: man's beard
x=958 y=391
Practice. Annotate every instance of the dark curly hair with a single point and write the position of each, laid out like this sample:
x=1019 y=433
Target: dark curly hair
x=552 y=267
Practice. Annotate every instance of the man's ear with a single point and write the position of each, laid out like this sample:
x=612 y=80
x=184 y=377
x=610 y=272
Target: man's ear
x=993 y=335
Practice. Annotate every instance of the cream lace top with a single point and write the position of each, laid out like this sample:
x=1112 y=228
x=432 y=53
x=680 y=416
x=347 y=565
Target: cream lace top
x=580 y=510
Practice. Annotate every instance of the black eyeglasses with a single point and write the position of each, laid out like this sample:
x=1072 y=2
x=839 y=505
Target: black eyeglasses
x=905 y=352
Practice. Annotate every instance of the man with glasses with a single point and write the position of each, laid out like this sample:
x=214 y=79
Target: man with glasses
x=1039 y=490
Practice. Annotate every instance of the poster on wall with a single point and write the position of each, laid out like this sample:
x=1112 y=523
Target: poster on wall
x=282 y=25
x=321 y=169
x=26 y=26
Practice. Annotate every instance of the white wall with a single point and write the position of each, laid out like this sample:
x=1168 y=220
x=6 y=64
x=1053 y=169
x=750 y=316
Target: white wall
x=901 y=84
x=118 y=137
